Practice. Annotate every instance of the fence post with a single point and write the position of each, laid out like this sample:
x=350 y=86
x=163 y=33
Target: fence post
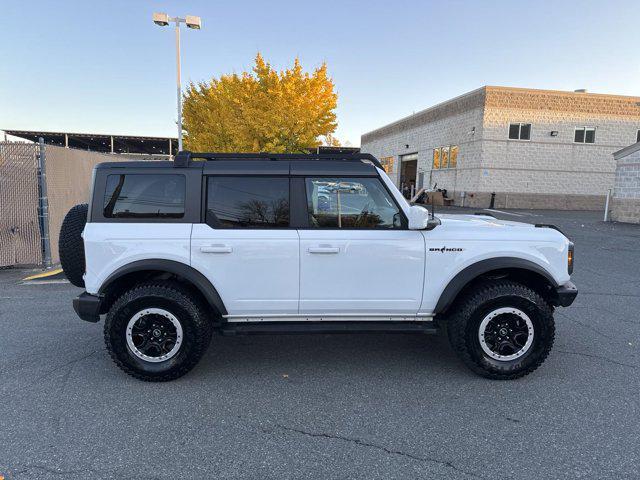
x=43 y=206
x=606 y=206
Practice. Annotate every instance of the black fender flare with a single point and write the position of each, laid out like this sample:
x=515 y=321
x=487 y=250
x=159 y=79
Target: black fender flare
x=473 y=271
x=197 y=279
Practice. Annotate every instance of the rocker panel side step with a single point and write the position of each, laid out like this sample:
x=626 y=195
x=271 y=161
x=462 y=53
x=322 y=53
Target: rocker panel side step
x=291 y=328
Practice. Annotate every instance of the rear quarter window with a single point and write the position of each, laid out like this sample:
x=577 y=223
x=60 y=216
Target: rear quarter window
x=144 y=196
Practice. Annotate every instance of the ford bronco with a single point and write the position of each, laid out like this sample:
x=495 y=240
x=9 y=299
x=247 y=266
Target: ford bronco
x=174 y=251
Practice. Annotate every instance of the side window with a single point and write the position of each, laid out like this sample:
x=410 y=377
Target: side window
x=144 y=196
x=247 y=202
x=351 y=203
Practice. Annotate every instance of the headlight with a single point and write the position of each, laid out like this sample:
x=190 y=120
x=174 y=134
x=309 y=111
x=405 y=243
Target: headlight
x=570 y=258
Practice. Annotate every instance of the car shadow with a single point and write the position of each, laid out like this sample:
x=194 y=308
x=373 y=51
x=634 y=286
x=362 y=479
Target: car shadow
x=395 y=354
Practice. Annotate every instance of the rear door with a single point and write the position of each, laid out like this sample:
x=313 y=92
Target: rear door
x=357 y=256
x=246 y=246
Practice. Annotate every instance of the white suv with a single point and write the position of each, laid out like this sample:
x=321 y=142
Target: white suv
x=263 y=243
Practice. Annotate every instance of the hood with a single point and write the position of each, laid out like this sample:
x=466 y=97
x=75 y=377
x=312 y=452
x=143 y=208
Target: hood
x=480 y=221
x=488 y=228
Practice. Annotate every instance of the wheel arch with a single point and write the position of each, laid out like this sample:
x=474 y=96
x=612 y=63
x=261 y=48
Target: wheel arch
x=141 y=270
x=519 y=269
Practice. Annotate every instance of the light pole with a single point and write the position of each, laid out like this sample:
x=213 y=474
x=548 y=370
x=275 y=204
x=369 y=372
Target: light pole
x=191 y=21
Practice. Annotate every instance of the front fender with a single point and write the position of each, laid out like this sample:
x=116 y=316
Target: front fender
x=466 y=275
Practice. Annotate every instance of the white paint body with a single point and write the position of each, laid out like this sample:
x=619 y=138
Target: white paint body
x=312 y=274
x=109 y=246
x=254 y=271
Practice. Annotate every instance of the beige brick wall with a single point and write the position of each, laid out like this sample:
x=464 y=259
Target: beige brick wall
x=627 y=178
x=544 y=171
x=450 y=123
x=625 y=210
x=554 y=165
x=625 y=206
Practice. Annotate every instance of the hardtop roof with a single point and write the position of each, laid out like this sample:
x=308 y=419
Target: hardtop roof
x=262 y=163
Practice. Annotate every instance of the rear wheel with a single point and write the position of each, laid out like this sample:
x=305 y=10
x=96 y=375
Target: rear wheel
x=502 y=330
x=157 y=331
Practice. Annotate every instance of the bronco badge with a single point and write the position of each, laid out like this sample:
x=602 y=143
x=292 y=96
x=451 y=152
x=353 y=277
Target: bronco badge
x=446 y=249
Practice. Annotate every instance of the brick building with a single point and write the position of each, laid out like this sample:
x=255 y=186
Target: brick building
x=625 y=204
x=533 y=148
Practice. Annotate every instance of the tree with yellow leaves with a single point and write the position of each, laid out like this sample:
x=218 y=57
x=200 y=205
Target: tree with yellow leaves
x=261 y=111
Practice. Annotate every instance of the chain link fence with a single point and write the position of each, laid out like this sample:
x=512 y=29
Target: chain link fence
x=33 y=203
x=20 y=236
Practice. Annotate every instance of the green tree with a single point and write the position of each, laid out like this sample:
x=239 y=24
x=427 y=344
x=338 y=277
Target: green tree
x=261 y=111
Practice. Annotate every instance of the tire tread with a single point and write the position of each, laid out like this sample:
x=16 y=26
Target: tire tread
x=490 y=290
x=179 y=294
x=71 y=245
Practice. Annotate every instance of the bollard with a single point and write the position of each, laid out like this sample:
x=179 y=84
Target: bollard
x=606 y=206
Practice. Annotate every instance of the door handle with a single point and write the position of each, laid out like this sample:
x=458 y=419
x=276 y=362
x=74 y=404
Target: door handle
x=216 y=249
x=324 y=249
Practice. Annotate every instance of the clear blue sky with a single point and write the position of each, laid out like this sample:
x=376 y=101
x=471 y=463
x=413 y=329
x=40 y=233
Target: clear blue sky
x=104 y=67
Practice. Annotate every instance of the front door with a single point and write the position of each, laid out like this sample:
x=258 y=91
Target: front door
x=246 y=248
x=357 y=257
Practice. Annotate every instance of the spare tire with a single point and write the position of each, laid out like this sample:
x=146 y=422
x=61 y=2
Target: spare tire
x=71 y=246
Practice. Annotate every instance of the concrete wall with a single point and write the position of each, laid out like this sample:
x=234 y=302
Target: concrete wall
x=449 y=123
x=544 y=172
x=625 y=206
x=554 y=165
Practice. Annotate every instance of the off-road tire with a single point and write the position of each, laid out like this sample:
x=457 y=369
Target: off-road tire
x=464 y=323
x=71 y=246
x=181 y=302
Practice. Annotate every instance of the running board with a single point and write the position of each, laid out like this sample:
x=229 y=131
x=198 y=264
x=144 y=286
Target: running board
x=268 y=328
x=328 y=317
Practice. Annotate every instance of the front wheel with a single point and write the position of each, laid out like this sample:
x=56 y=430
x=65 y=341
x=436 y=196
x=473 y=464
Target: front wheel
x=502 y=329
x=157 y=331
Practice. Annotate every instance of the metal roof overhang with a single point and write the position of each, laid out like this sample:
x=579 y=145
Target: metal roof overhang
x=103 y=143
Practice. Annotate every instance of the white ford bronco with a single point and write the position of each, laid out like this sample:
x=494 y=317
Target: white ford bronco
x=172 y=252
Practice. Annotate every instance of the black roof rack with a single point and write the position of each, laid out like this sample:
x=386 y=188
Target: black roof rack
x=184 y=157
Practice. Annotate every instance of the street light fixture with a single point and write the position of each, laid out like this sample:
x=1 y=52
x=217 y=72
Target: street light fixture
x=193 y=22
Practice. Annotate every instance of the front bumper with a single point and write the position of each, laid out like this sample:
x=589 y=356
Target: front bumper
x=87 y=306
x=565 y=294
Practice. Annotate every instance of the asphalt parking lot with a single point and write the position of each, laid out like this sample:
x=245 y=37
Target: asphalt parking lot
x=332 y=406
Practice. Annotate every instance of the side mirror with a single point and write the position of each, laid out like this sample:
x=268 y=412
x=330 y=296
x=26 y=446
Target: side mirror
x=419 y=219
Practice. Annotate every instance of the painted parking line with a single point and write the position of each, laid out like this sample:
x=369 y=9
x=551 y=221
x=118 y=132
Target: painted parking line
x=511 y=213
x=55 y=275
x=45 y=282
x=49 y=273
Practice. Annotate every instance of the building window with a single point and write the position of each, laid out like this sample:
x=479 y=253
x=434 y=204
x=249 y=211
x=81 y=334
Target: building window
x=453 y=157
x=519 y=131
x=445 y=157
x=387 y=164
x=585 y=135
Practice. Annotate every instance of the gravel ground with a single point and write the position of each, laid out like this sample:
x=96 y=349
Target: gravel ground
x=332 y=406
